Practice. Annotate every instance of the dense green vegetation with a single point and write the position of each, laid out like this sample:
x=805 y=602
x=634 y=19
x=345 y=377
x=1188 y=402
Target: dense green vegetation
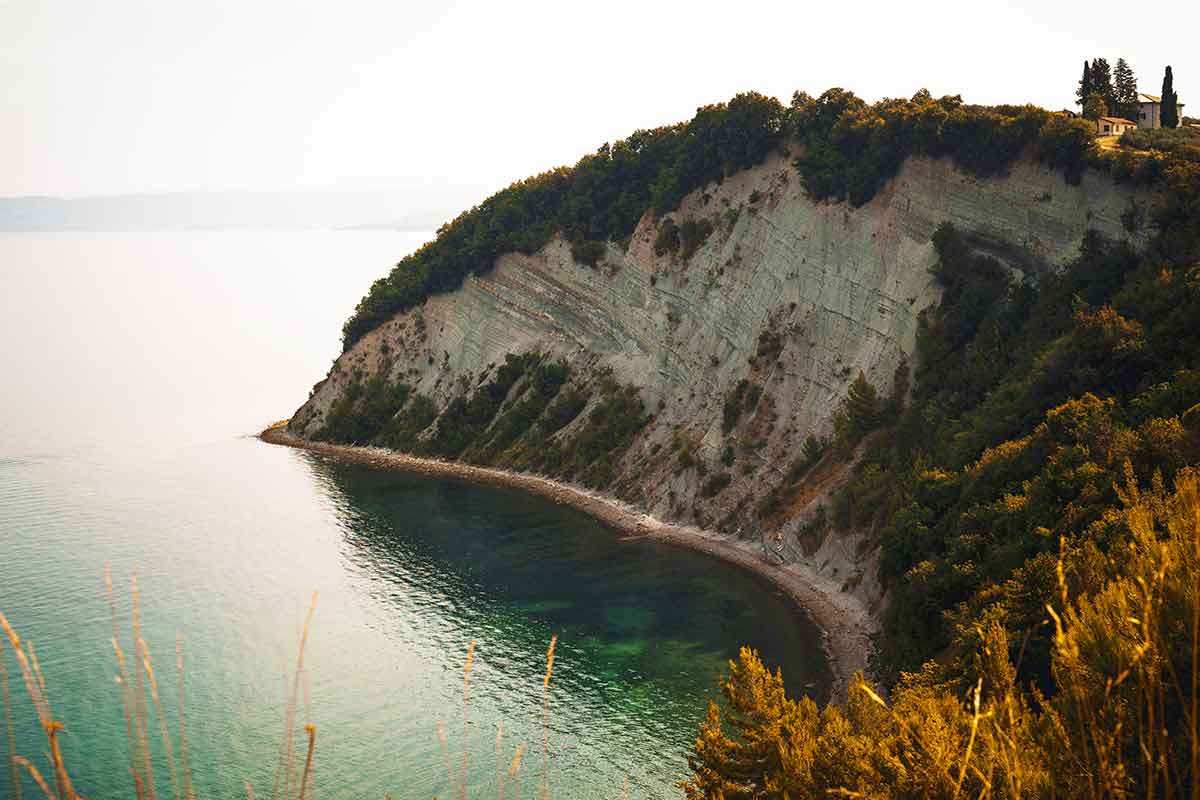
x=1123 y=723
x=600 y=199
x=1038 y=508
x=511 y=419
x=1179 y=142
x=848 y=149
x=1030 y=399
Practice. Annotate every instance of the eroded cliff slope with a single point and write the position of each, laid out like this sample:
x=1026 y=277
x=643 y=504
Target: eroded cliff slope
x=687 y=382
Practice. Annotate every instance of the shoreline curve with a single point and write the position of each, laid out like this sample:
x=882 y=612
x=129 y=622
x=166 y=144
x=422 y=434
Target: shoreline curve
x=845 y=624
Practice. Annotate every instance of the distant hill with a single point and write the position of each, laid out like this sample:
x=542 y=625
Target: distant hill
x=390 y=210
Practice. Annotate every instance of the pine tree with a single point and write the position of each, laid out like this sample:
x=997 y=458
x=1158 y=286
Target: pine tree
x=1102 y=82
x=1170 y=110
x=1085 y=84
x=1126 y=85
x=863 y=406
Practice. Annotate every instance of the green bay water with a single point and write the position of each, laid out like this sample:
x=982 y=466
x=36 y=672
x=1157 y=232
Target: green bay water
x=136 y=366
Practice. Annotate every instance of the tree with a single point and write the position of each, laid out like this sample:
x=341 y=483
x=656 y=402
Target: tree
x=1094 y=107
x=1126 y=86
x=1102 y=82
x=863 y=406
x=1085 y=84
x=1170 y=110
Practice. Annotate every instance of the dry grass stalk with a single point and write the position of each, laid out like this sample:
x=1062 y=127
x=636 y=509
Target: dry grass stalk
x=61 y=779
x=546 y=718
x=37 y=668
x=35 y=684
x=188 y=792
x=40 y=703
x=514 y=770
x=311 y=730
x=286 y=768
x=499 y=763
x=462 y=773
x=33 y=773
x=549 y=660
x=123 y=682
x=14 y=775
x=140 y=714
x=162 y=719
x=127 y=701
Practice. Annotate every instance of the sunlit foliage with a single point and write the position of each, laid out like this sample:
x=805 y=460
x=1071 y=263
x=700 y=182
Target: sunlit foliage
x=1123 y=651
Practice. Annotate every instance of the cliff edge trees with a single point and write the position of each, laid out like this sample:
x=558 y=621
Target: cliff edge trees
x=846 y=150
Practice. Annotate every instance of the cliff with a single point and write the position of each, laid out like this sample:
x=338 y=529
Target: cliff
x=794 y=297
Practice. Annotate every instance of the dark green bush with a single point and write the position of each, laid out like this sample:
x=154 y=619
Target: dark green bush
x=588 y=252
x=715 y=484
x=465 y=418
x=692 y=234
x=667 y=240
x=769 y=346
x=563 y=411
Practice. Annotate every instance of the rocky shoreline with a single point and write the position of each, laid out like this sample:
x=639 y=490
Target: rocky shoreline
x=846 y=624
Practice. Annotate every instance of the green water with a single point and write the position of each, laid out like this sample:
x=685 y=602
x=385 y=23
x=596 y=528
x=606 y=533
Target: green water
x=230 y=536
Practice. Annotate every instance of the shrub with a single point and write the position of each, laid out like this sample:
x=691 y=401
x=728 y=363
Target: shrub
x=1067 y=144
x=692 y=234
x=588 y=252
x=667 y=240
x=608 y=432
x=769 y=346
x=564 y=410
x=715 y=484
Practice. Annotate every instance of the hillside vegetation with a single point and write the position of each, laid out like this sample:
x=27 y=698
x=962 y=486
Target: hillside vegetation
x=1037 y=507
x=1123 y=722
x=847 y=150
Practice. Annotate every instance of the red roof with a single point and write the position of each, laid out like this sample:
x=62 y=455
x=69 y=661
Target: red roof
x=1118 y=121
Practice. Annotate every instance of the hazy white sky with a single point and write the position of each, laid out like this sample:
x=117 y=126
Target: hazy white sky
x=162 y=95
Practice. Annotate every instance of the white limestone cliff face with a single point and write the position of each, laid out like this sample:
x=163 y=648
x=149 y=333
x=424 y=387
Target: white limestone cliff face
x=842 y=288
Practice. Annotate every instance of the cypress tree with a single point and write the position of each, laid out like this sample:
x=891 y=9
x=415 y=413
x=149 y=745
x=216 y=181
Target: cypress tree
x=1085 y=84
x=1094 y=107
x=1102 y=83
x=1126 y=85
x=1170 y=112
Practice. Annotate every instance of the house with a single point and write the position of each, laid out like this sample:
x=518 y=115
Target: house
x=1150 y=111
x=1114 y=126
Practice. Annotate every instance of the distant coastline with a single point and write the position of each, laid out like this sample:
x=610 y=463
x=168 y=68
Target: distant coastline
x=374 y=210
x=846 y=625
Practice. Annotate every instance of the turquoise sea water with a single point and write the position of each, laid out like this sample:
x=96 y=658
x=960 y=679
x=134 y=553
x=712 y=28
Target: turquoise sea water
x=135 y=366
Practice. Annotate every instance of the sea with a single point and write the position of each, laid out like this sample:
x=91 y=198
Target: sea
x=136 y=369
